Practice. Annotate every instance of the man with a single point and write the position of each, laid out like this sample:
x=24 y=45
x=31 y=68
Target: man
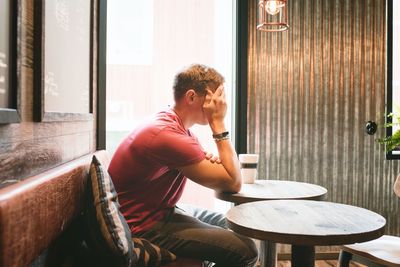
x=150 y=168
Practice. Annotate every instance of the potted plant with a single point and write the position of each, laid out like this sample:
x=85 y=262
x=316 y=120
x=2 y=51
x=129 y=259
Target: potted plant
x=393 y=141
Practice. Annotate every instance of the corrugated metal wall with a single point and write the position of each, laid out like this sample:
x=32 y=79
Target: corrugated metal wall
x=311 y=90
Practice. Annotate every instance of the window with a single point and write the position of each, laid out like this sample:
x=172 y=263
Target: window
x=393 y=68
x=148 y=42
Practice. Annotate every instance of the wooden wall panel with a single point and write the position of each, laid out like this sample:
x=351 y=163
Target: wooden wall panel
x=28 y=148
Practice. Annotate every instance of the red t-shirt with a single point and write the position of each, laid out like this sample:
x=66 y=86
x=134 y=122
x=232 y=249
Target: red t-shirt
x=144 y=169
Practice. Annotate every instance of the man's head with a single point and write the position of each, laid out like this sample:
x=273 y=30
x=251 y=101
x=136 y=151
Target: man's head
x=198 y=78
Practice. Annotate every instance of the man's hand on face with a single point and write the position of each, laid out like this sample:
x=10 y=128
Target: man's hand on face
x=215 y=108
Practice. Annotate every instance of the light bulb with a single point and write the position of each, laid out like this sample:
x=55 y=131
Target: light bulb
x=273 y=7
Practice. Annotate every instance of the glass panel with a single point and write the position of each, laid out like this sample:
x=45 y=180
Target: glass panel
x=66 y=85
x=4 y=53
x=395 y=89
x=148 y=42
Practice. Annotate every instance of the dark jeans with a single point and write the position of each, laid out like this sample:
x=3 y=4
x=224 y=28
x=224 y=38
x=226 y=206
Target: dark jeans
x=202 y=234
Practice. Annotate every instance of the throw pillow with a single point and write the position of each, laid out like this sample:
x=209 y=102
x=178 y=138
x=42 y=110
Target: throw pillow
x=150 y=255
x=107 y=231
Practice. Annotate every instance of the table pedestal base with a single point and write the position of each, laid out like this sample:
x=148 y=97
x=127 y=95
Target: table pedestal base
x=303 y=256
x=268 y=254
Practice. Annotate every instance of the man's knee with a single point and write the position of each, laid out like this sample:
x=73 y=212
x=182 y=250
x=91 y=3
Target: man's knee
x=251 y=255
x=243 y=254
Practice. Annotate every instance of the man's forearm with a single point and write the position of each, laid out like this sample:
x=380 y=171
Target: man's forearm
x=229 y=160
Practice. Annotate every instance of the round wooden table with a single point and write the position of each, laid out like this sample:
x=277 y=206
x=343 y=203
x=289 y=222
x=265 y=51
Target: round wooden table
x=274 y=189
x=305 y=224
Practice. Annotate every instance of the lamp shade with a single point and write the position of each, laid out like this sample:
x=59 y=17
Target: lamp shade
x=272 y=15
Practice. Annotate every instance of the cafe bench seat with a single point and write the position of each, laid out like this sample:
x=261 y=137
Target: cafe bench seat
x=40 y=219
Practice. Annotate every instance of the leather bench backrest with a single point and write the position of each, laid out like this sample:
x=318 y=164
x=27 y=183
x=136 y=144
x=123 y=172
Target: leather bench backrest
x=34 y=212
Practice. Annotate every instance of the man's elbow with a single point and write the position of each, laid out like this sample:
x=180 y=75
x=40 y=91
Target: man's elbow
x=234 y=187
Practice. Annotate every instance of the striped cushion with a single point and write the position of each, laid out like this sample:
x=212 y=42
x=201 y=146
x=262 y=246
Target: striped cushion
x=150 y=255
x=107 y=231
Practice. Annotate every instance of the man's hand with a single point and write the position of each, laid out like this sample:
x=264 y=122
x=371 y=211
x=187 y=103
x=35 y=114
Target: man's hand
x=215 y=109
x=225 y=175
x=212 y=158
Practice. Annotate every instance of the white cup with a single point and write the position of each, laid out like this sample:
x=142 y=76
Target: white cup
x=248 y=167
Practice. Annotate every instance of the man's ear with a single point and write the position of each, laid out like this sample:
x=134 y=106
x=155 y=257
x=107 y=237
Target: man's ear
x=189 y=95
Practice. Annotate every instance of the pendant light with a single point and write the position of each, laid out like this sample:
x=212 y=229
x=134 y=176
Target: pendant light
x=272 y=15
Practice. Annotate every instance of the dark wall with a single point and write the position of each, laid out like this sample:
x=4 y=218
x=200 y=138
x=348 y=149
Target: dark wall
x=29 y=147
x=311 y=91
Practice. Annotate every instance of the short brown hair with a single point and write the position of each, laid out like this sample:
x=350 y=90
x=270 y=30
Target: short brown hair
x=197 y=77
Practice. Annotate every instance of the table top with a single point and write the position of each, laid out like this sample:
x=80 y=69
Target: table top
x=274 y=189
x=305 y=222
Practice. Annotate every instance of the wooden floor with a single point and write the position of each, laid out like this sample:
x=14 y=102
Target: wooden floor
x=320 y=263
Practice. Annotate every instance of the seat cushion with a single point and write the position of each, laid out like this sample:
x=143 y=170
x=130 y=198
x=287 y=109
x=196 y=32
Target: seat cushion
x=107 y=231
x=149 y=254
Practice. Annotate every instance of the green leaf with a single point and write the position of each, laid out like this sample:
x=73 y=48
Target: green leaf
x=391 y=142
